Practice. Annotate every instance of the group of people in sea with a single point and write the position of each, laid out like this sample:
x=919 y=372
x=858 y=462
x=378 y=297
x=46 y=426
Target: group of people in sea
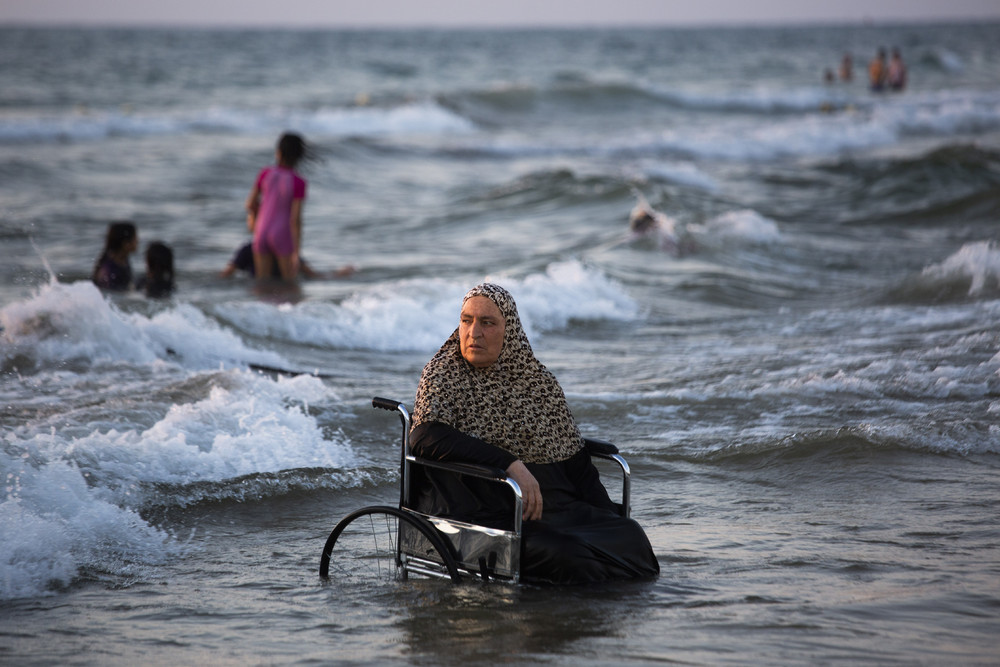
x=113 y=270
x=483 y=398
x=883 y=74
x=274 y=218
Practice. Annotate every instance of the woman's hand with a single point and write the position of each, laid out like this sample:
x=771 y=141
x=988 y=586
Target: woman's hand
x=531 y=493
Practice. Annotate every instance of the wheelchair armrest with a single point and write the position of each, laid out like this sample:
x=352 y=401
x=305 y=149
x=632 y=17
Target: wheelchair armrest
x=605 y=450
x=600 y=448
x=471 y=469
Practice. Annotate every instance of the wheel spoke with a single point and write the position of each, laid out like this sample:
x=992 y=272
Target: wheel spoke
x=363 y=547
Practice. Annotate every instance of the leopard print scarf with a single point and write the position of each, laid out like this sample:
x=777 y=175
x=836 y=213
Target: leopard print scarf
x=515 y=404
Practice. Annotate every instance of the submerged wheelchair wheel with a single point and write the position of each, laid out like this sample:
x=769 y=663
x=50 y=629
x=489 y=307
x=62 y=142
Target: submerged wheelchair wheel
x=382 y=544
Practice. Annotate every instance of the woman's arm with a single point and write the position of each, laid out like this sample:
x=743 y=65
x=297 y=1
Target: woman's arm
x=434 y=440
x=441 y=442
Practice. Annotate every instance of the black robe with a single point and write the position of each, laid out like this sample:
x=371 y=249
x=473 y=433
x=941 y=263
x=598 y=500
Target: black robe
x=582 y=536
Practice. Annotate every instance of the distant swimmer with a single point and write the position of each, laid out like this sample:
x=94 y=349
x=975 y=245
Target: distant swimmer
x=113 y=270
x=877 y=72
x=895 y=78
x=846 y=68
x=647 y=223
x=642 y=222
x=158 y=282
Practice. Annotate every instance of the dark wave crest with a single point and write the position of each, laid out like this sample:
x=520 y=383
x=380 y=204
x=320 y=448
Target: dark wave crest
x=160 y=498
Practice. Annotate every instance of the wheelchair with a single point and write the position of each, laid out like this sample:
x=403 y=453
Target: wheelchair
x=389 y=543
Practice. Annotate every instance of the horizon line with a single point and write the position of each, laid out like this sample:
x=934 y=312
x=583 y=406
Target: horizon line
x=583 y=25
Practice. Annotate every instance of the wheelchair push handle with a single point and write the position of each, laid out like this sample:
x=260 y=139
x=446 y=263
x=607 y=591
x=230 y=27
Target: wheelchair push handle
x=385 y=404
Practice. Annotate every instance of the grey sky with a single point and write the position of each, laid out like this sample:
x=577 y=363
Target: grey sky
x=378 y=13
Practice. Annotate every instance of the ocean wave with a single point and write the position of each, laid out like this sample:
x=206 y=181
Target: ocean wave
x=943 y=60
x=808 y=133
x=65 y=322
x=970 y=273
x=568 y=90
x=84 y=124
x=164 y=498
x=761 y=99
x=418 y=314
x=846 y=444
x=742 y=225
x=62 y=524
x=251 y=425
x=683 y=173
x=76 y=323
x=977 y=264
x=572 y=90
x=74 y=501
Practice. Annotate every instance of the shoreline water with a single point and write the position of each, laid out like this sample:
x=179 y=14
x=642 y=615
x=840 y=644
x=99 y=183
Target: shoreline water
x=802 y=365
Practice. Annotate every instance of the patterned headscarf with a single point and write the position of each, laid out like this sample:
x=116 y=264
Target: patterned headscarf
x=515 y=404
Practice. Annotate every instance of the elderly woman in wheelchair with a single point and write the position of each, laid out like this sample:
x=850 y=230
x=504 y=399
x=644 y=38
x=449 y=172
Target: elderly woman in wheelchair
x=488 y=411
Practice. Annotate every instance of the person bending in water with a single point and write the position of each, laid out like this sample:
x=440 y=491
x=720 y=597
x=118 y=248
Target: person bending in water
x=242 y=260
x=274 y=208
x=113 y=270
x=484 y=398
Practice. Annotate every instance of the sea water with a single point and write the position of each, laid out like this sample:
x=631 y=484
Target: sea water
x=802 y=364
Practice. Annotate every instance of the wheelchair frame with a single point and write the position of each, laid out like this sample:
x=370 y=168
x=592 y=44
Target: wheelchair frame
x=441 y=547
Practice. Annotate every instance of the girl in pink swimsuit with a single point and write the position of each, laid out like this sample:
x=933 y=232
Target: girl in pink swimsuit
x=274 y=211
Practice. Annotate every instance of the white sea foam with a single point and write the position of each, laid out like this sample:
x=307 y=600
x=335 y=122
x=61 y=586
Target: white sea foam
x=52 y=523
x=743 y=225
x=683 y=173
x=948 y=60
x=758 y=99
x=978 y=263
x=253 y=425
x=72 y=501
x=568 y=291
x=72 y=321
x=417 y=315
x=76 y=322
x=407 y=315
x=418 y=118
x=92 y=124
x=857 y=125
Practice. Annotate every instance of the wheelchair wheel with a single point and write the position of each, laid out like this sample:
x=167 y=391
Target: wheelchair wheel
x=382 y=544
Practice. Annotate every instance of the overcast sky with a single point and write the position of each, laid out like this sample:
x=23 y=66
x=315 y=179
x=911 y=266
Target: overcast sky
x=448 y=13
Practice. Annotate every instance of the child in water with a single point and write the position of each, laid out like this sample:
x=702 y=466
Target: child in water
x=113 y=270
x=274 y=209
x=159 y=279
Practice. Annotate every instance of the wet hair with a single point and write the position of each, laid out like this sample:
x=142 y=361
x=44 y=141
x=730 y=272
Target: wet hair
x=120 y=233
x=643 y=222
x=108 y=273
x=159 y=270
x=294 y=149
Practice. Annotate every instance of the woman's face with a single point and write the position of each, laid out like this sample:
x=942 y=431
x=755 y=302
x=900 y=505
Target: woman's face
x=480 y=331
